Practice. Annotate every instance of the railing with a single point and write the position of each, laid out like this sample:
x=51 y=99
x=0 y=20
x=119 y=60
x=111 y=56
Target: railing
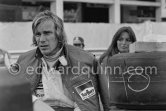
x=96 y=52
x=16 y=54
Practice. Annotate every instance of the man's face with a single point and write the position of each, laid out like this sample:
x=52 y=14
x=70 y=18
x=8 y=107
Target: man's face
x=46 y=39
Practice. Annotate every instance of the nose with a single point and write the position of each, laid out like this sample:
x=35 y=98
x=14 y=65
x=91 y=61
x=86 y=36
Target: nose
x=124 y=41
x=42 y=38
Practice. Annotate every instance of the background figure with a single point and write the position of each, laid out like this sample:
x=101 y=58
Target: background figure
x=54 y=83
x=4 y=58
x=78 y=42
x=120 y=42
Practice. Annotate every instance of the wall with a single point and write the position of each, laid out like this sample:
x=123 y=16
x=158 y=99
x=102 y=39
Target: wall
x=18 y=36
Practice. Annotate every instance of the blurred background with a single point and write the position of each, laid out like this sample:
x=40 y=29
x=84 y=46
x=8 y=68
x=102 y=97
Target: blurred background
x=94 y=20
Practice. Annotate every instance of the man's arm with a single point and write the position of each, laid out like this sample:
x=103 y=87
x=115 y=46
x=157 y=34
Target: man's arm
x=38 y=105
x=103 y=86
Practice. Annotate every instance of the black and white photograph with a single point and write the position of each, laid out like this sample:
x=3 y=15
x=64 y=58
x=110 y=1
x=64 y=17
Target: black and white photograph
x=82 y=55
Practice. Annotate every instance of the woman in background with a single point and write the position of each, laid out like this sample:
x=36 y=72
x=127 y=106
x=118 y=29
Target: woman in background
x=120 y=42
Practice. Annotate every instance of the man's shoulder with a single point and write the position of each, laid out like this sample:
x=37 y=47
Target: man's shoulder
x=79 y=54
x=72 y=50
x=28 y=55
x=30 y=52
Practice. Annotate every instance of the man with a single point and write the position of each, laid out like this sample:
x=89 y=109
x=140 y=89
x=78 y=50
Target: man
x=62 y=77
x=78 y=42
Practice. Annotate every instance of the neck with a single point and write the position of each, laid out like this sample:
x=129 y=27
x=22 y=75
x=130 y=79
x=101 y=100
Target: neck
x=54 y=56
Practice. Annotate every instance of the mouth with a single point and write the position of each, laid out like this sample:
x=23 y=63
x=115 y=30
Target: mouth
x=124 y=47
x=43 y=46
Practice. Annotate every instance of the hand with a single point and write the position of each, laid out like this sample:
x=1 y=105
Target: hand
x=77 y=109
x=39 y=105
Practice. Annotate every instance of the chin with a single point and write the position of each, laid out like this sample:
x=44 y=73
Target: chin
x=45 y=53
x=124 y=51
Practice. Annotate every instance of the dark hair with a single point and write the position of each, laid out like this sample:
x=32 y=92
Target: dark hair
x=59 y=27
x=113 y=49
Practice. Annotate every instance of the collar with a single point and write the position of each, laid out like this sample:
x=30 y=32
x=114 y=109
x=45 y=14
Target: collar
x=64 y=52
x=53 y=57
x=38 y=53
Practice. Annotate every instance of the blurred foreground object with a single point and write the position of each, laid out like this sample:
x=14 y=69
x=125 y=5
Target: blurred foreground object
x=4 y=58
x=139 y=80
x=15 y=94
x=147 y=46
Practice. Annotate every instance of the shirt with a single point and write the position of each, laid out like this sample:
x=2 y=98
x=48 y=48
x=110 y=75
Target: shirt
x=51 y=89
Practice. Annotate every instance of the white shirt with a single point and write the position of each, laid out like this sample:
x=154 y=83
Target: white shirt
x=54 y=88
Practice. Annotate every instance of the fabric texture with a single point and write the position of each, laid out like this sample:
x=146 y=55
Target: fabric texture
x=84 y=87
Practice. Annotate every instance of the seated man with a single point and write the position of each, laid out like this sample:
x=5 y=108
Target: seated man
x=62 y=77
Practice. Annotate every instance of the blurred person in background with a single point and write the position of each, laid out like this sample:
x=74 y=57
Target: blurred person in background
x=79 y=42
x=120 y=42
x=55 y=84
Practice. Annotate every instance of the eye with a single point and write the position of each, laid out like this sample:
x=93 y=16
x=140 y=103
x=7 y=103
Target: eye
x=77 y=44
x=120 y=39
x=47 y=32
x=37 y=34
x=128 y=40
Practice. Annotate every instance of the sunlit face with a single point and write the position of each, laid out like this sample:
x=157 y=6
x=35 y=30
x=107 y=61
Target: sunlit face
x=46 y=39
x=124 y=42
